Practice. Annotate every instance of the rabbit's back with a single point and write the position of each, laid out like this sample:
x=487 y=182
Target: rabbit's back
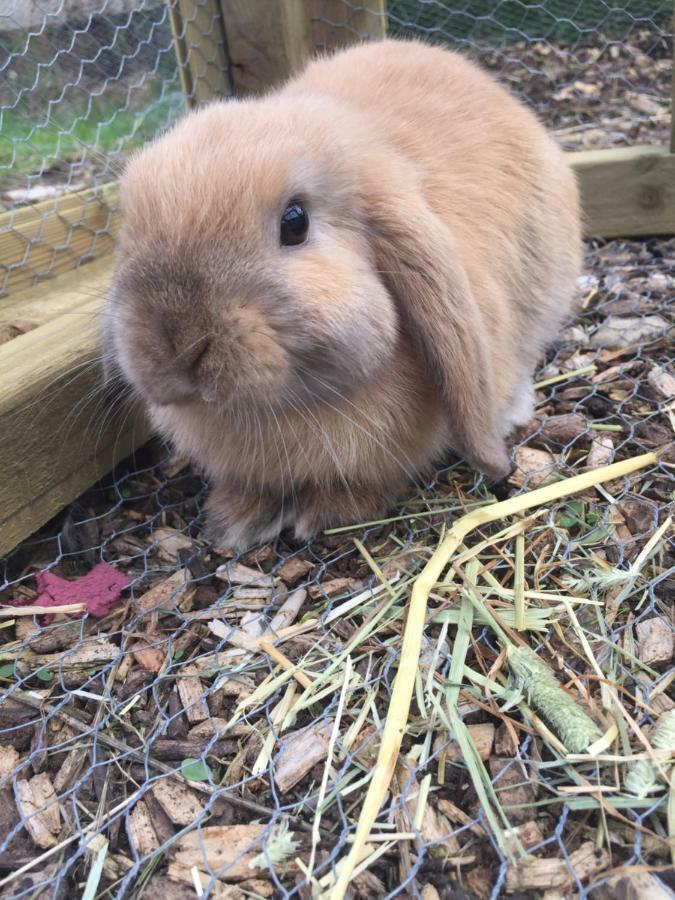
x=473 y=142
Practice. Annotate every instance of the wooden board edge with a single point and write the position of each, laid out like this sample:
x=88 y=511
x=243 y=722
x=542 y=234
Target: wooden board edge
x=55 y=236
x=626 y=192
x=56 y=442
x=199 y=42
x=36 y=305
x=30 y=517
x=337 y=24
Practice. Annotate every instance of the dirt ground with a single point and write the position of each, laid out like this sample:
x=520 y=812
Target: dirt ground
x=606 y=94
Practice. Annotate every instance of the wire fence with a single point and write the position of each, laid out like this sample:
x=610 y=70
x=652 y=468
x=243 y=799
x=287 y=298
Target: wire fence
x=81 y=86
x=146 y=752
x=83 y=82
x=97 y=713
x=598 y=72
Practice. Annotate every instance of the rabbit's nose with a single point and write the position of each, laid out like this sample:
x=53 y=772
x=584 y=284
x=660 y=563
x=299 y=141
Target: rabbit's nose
x=188 y=358
x=181 y=379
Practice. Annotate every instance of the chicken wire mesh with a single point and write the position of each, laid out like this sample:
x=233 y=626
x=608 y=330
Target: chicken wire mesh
x=598 y=72
x=82 y=83
x=102 y=716
x=144 y=752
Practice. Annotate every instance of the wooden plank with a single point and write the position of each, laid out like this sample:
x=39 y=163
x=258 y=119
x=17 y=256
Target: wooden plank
x=59 y=436
x=627 y=192
x=267 y=40
x=36 y=305
x=338 y=23
x=199 y=41
x=55 y=236
x=624 y=192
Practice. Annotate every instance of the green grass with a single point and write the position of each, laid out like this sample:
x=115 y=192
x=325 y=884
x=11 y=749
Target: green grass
x=29 y=146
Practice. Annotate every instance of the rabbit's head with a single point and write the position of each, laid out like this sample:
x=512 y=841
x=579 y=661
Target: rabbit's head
x=278 y=251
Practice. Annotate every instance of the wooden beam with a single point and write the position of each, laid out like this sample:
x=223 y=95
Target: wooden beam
x=338 y=23
x=55 y=442
x=627 y=192
x=267 y=41
x=54 y=236
x=199 y=41
x=35 y=306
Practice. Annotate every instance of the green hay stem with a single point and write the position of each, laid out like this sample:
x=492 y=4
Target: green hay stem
x=643 y=776
x=575 y=728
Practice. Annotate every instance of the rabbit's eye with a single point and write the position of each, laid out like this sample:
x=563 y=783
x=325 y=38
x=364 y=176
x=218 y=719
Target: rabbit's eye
x=294 y=225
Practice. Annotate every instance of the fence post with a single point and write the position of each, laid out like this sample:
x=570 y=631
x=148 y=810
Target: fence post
x=337 y=23
x=197 y=28
x=267 y=40
x=246 y=46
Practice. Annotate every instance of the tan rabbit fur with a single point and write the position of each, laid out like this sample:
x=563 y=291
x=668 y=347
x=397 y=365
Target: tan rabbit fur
x=312 y=382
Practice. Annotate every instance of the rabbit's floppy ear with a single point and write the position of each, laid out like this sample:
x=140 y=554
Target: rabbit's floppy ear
x=419 y=263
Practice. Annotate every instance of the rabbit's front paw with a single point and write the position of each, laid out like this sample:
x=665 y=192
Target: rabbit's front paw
x=237 y=519
x=319 y=509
